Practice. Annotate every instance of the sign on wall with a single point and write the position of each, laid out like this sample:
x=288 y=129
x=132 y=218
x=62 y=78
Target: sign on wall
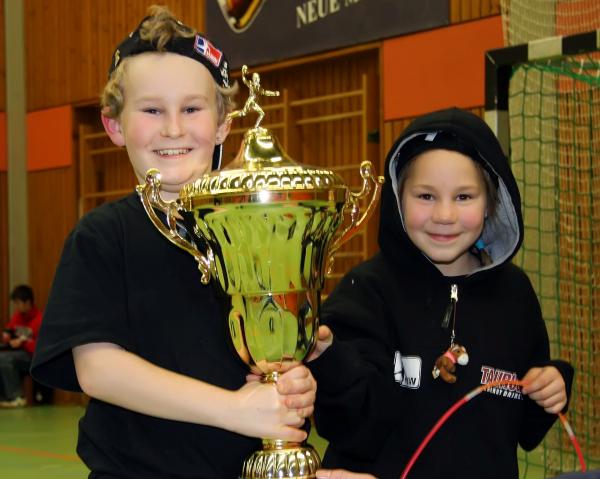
x=253 y=32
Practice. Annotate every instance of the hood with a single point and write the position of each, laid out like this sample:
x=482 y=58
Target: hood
x=503 y=231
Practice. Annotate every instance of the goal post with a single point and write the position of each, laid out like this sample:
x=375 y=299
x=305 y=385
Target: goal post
x=542 y=100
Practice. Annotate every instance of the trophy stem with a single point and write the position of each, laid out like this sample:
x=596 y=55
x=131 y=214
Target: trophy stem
x=270 y=378
x=272 y=444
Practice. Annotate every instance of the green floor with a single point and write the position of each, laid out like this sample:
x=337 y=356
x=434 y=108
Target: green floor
x=39 y=443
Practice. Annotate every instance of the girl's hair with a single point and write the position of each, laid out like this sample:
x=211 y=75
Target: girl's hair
x=159 y=28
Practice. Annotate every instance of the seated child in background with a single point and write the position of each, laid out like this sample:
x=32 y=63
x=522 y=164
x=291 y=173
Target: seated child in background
x=18 y=343
x=450 y=224
x=128 y=321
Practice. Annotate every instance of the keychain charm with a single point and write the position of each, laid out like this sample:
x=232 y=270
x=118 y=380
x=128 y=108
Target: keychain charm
x=445 y=365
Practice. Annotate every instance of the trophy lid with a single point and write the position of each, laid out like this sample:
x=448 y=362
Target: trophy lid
x=261 y=163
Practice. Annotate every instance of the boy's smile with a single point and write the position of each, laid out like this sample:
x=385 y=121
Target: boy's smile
x=443 y=207
x=169 y=119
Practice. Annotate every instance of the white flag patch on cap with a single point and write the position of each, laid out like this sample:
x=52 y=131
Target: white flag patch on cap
x=206 y=49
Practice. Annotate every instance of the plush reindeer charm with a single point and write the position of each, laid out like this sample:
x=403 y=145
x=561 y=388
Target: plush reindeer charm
x=445 y=365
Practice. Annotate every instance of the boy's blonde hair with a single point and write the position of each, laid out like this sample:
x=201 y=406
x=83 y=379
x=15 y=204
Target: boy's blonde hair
x=158 y=29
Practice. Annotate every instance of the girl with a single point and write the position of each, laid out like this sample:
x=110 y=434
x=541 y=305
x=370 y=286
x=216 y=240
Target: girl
x=450 y=224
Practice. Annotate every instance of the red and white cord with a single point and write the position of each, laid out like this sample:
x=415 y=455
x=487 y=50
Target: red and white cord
x=465 y=399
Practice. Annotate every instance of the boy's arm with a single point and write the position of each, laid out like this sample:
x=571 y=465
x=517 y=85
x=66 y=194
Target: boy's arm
x=30 y=343
x=12 y=322
x=108 y=372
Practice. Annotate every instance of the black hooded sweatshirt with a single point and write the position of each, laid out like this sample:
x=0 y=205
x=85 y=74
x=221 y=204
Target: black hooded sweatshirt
x=377 y=398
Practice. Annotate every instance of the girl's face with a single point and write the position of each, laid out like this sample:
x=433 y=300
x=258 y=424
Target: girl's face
x=443 y=207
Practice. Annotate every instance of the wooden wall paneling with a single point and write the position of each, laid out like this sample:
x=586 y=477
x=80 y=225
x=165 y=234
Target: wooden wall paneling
x=108 y=172
x=4 y=303
x=489 y=7
x=338 y=123
x=4 y=291
x=84 y=175
x=2 y=61
x=71 y=42
x=52 y=215
x=465 y=10
x=373 y=115
x=104 y=172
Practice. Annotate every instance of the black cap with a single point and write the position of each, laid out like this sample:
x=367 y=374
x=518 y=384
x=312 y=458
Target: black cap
x=196 y=47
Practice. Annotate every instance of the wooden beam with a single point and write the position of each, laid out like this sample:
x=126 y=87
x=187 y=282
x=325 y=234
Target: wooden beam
x=16 y=136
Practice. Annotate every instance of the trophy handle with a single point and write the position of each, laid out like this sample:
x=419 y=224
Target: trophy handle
x=356 y=221
x=149 y=193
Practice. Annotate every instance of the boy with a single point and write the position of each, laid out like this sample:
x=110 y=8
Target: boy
x=128 y=321
x=450 y=224
x=18 y=343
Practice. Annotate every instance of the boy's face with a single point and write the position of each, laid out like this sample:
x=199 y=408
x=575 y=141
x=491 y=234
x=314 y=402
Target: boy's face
x=169 y=119
x=21 y=306
x=443 y=206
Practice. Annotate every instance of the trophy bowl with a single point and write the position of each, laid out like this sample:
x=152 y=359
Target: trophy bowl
x=266 y=228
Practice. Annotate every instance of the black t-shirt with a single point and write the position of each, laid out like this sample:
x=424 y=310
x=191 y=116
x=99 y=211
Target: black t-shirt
x=120 y=281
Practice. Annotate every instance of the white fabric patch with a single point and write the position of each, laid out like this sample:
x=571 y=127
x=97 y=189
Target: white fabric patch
x=407 y=370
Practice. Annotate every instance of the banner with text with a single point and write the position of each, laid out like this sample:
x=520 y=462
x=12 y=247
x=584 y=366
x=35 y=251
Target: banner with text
x=253 y=32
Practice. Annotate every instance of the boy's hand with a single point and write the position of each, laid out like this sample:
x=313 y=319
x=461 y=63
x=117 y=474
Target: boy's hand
x=546 y=387
x=341 y=474
x=16 y=343
x=261 y=412
x=324 y=340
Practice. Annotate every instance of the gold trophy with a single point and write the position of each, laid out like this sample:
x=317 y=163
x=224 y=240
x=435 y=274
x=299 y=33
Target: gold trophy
x=268 y=227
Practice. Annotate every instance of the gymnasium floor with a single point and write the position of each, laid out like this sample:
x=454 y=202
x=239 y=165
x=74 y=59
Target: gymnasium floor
x=39 y=443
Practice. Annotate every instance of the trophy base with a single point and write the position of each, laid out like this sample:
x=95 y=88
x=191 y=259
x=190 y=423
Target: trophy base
x=281 y=460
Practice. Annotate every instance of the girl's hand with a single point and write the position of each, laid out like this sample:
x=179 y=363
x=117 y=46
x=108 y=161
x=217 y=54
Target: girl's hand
x=546 y=387
x=324 y=340
x=299 y=389
x=341 y=474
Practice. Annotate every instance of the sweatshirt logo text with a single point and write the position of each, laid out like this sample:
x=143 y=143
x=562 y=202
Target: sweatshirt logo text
x=510 y=391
